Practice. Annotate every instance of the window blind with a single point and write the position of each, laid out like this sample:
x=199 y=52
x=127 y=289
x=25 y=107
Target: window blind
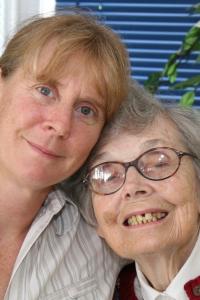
x=151 y=30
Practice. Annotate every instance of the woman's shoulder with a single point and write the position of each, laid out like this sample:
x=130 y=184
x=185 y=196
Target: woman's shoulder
x=124 y=289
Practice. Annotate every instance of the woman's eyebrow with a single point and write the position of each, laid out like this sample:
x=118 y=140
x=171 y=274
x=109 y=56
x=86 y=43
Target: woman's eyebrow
x=152 y=143
x=104 y=156
x=99 y=158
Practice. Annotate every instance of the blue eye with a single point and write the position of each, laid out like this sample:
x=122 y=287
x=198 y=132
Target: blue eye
x=85 y=110
x=87 y=113
x=46 y=91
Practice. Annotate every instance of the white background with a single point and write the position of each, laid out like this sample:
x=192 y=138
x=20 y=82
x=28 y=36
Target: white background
x=13 y=12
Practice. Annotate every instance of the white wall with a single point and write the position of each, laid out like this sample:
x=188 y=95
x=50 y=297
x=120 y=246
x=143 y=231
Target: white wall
x=12 y=12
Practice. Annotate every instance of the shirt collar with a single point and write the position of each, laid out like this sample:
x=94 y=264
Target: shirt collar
x=189 y=271
x=59 y=208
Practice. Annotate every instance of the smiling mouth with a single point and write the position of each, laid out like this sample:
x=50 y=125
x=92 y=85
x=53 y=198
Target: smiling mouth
x=43 y=151
x=145 y=218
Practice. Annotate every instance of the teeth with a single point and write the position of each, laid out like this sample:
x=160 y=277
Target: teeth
x=132 y=221
x=146 y=218
x=139 y=219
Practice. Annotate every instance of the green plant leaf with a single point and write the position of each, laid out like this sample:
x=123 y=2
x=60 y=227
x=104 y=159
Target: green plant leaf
x=153 y=82
x=195 y=8
x=171 y=70
x=187 y=99
x=170 y=64
x=196 y=46
x=192 y=33
x=190 y=45
x=191 y=82
x=172 y=78
x=191 y=38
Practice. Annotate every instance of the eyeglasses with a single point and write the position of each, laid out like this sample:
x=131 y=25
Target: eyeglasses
x=155 y=164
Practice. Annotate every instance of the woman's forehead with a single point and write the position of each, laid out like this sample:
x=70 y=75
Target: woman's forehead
x=162 y=132
x=54 y=67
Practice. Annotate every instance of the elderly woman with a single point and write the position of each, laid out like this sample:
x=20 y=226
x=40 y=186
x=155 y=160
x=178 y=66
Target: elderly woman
x=143 y=179
x=61 y=79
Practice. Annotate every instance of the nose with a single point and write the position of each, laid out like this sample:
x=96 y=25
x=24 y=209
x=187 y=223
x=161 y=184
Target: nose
x=136 y=186
x=59 y=122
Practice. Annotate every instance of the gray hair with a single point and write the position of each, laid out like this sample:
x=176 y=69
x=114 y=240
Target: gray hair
x=134 y=115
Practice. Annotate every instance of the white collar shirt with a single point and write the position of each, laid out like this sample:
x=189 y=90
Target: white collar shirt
x=175 y=291
x=62 y=257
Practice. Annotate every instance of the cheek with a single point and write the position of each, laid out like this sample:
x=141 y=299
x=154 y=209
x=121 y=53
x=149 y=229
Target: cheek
x=105 y=214
x=197 y=193
x=181 y=188
x=98 y=212
x=89 y=136
x=21 y=112
x=84 y=138
x=184 y=194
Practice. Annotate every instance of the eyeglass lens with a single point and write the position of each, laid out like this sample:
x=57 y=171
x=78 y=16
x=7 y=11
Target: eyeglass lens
x=158 y=164
x=155 y=164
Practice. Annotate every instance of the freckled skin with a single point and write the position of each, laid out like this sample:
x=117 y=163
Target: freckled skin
x=55 y=122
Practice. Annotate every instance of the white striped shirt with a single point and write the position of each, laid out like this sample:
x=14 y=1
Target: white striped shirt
x=62 y=257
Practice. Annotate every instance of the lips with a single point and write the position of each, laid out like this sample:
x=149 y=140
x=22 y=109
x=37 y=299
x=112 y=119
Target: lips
x=149 y=217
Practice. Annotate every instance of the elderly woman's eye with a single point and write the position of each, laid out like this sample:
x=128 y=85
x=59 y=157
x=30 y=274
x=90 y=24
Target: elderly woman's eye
x=163 y=161
x=114 y=177
x=161 y=164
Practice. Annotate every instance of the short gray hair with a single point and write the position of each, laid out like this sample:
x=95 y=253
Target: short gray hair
x=135 y=114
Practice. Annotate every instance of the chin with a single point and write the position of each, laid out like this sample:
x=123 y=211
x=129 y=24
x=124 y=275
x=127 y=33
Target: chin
x=36 y=180
x=132 y=250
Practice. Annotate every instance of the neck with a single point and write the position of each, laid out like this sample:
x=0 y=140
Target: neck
x=161 y=268
x=18 y=207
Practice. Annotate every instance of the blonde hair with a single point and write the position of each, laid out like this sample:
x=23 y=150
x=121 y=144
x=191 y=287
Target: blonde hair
x=104 y=55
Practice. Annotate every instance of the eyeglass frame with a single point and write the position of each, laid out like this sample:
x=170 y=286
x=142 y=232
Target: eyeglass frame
x=134 y=163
